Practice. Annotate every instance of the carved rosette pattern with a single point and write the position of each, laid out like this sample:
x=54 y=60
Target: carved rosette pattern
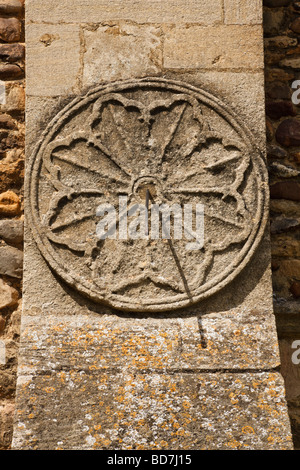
x=184 y=143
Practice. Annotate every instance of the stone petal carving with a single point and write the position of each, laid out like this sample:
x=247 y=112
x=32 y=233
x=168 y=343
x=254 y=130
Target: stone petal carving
x=119 y=140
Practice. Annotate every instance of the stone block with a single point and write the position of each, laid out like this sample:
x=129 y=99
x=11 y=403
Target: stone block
x=8 y=295
x=10 y=71
x=14 y=99
x=7 y=409
x=243 y=12
x=11 y=261
x=10 y=29
x=218 y=47
x=135 y=411
x=52 y=64
x=285 y=190
x=10 y=204
x=121 y=51
x=139 y=11
x=11 y=231
x=213 y=341
x=12 y=52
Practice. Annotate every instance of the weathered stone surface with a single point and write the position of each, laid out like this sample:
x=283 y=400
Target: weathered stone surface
x=275 y=74
x=2 y=323
x=12 y=52
x=283 y=171
x=295 y=26
x=8 y=295
x=9 y=204
x=287 y=208
x=285 y=190
x=273 y=21
x=12 y=173
x=139 y=11
x=11 y=231
x=9 y=7
x=293 y=62
x=233 y=47
x=277 y=109
x=296 y=156
x=295 y=289
x=269 y=130
x=11 y=261
x=10 y=71
x=61 y=57
x=114 y=51
x=10 y=29
x=243 y=12
x=288 y=133
x=280 y=91
x=282 y=224
x=7 y=122
x=204 y=343
x=285 y=245
x=291 y=268
x=185 y=412
x=7 y=409
x=15 y=97
x=287 y=308
x=8 y=382
x=296 y=6
x=280 y=41
x=274 y=151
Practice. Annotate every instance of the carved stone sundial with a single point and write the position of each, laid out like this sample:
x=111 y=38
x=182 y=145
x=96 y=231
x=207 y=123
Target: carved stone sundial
x=154 y=141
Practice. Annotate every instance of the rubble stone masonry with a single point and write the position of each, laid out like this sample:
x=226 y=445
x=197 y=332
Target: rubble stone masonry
x=12 y=99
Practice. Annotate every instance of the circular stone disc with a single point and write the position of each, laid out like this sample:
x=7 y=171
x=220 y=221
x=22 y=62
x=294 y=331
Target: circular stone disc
x=156 y=145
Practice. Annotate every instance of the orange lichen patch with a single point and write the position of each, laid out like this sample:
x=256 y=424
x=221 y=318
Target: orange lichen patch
x=62 y=376
x=186 y=404
x=248 y=430
x=234 y=444
x=234 y=400
x=49 y=389
x=58 y=328
x=164 y=444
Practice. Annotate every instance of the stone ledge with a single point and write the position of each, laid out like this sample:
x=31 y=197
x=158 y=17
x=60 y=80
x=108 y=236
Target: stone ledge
x=216 y=341
x=139 y=11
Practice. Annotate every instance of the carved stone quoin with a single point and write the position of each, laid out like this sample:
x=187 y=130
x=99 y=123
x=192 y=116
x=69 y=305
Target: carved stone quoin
x=179 y=144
